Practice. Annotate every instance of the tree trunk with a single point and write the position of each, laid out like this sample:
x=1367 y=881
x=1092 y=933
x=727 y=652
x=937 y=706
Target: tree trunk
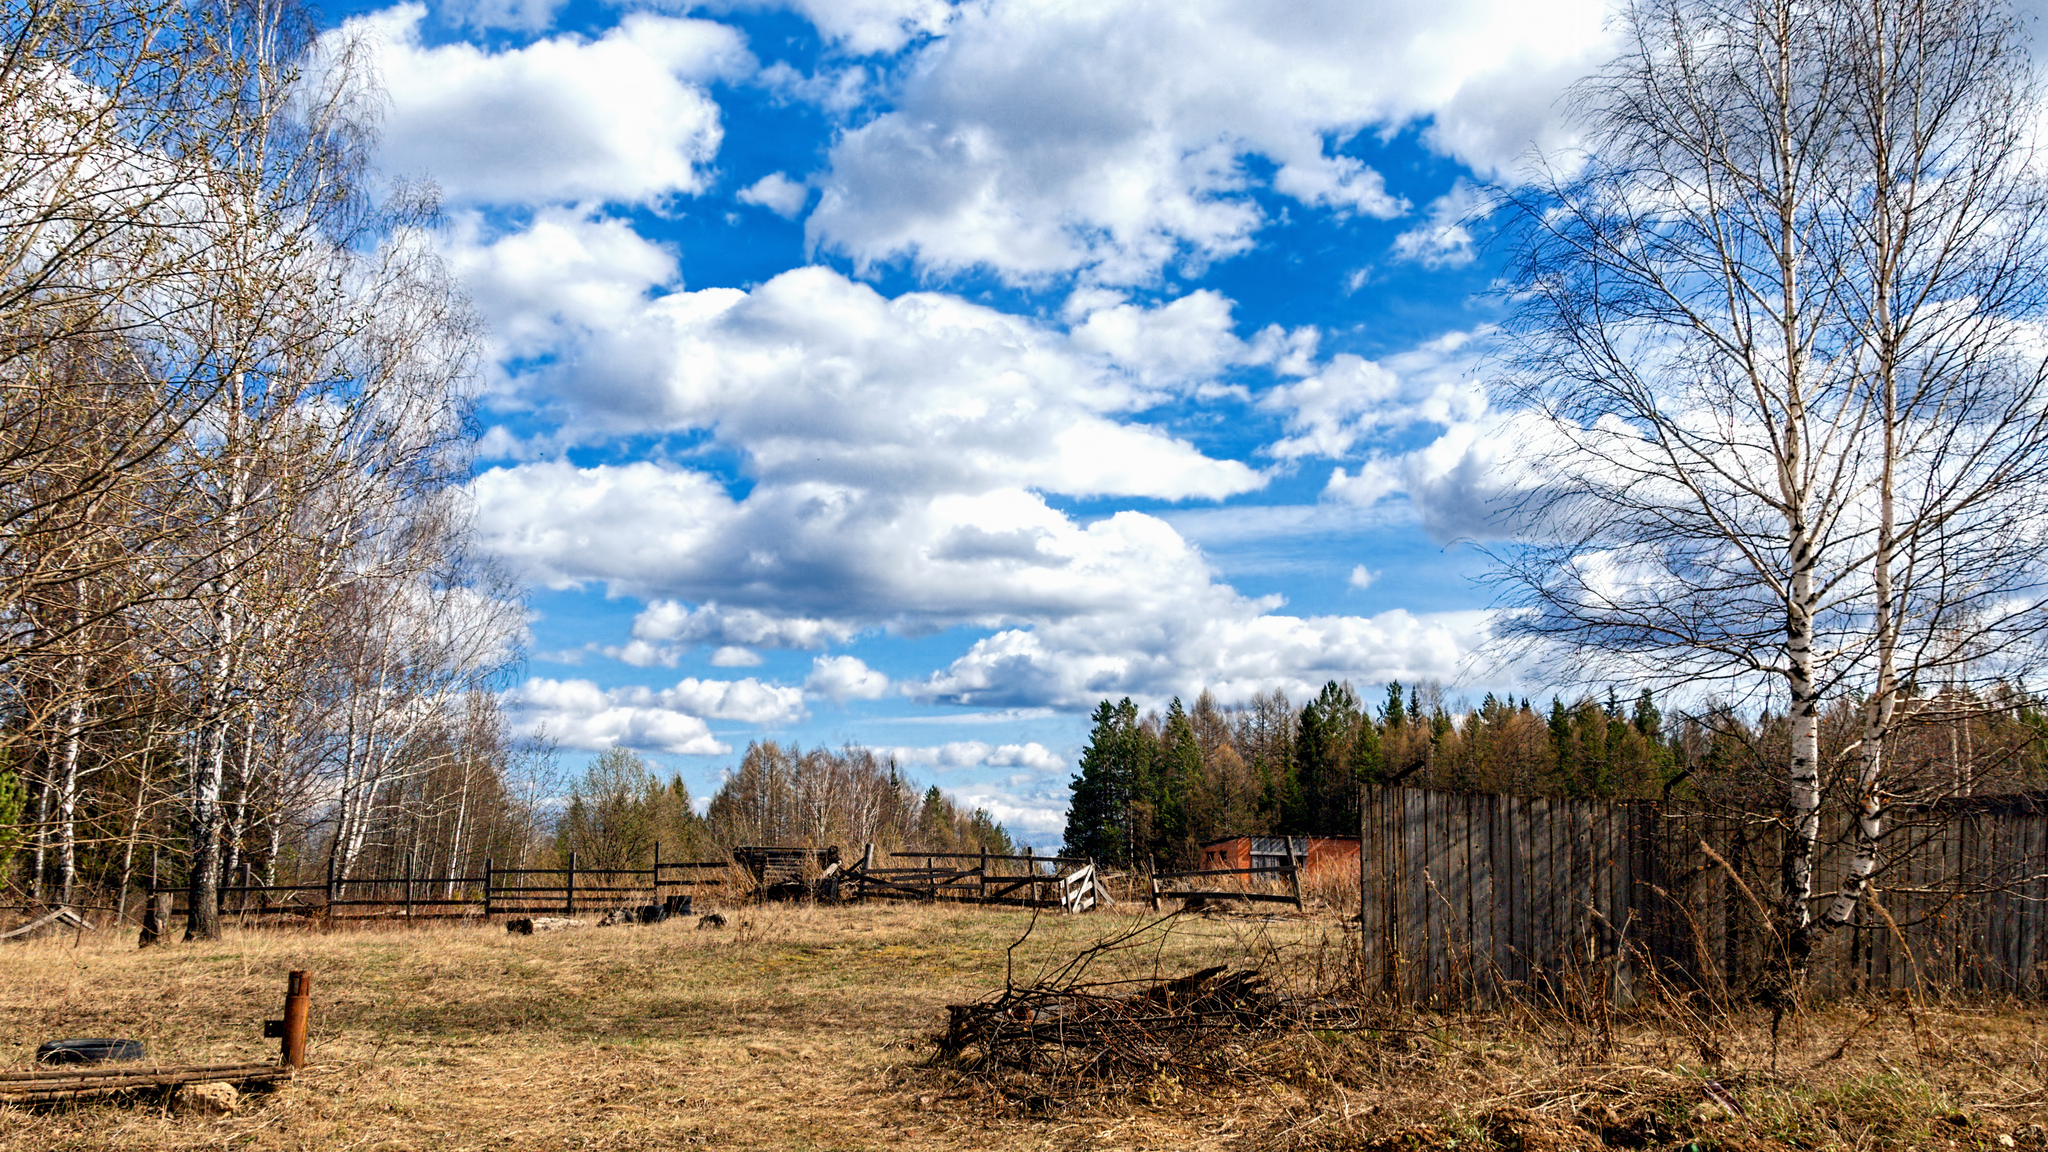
x=134 y=834
x=39 y=860
x=67 y=805
x=202 y=915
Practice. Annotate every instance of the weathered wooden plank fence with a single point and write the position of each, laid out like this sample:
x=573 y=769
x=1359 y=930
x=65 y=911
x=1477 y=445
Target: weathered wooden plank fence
x=1476 y=896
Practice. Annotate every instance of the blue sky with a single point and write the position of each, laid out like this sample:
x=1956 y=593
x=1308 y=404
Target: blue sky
x=916 y=375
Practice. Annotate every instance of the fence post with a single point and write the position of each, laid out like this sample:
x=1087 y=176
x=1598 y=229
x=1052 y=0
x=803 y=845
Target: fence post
x=487 y=887
x=931 y=881
x=569 y=889
x=1364 y=806
x=1152 y=878
x=152 y=925
x=298 y=1000
x=1294 y=871
x=654 y=874
x=982 y=896
x=1031 y=870
x=408 y=887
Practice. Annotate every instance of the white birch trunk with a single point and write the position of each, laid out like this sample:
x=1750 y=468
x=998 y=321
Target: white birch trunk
x=202 y=920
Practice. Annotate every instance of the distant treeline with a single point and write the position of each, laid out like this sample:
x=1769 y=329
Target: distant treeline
x=619 y=810
x=1159 y=786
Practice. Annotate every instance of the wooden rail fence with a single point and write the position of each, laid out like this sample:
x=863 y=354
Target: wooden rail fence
x=1072 y=885
x=1290 y=871
x=499 y=891
x=1475 y=896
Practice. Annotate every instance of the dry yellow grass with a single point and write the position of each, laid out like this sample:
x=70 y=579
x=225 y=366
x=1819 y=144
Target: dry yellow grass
x=805 y=1028
x=790 y=1028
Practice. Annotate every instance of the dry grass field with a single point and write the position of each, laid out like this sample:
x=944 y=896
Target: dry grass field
x=810 y=1028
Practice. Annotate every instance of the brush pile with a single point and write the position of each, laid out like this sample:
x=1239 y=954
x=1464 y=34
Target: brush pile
x=1209 y=1026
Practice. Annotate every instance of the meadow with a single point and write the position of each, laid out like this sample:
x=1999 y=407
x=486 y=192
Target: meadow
x=811 y=1028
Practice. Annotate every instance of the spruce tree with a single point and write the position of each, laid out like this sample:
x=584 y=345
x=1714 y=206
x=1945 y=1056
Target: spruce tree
x=1175 y=779
x=1106 y=818
x=1328 y=799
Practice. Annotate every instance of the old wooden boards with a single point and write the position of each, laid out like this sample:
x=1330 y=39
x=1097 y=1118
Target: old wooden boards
x=40 y=1086
x=1464 y=895
x=1468 y=896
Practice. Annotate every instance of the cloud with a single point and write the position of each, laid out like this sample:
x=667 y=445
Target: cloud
x=733 y=656
x=569 y=273
x=748 y=700
x=1472 y=480
x=1113 y=139
x=1374 y=481
x=624 y=524
x=667 y=620
x=979 y=754
x=1339 y=182
x=581 y=715
x=777 y=193
x=1444 y=240
x=1077 y=611
x=1350 y=401
x=517 y=15
x=622 y=118
x=902 y=457
x=766 y=571
x=1229 y=644
x=641 y=654
x=843 y=678
x=1362 y=577
x=821 y=379
x=860 y=27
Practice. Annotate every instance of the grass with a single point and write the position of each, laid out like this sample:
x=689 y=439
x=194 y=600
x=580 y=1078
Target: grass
x=802 y=1028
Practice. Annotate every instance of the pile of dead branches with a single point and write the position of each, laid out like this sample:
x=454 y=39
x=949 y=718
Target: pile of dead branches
x=1208 y=1026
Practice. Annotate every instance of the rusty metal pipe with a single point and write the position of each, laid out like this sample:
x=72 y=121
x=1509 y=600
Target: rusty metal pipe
x=298 y=1003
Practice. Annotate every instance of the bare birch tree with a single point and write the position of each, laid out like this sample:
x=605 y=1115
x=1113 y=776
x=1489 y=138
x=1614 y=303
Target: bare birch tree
x=1779 y=329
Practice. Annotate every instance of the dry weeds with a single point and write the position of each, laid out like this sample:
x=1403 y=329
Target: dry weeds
x=812 y=1028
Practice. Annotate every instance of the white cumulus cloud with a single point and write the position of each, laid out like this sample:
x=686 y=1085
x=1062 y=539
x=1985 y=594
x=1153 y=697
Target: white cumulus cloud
x=859 y=27
x=980 y=754
x=1228 y=644
x=1349 y=401
x=820 y=378
x=623 y=117
x=580 y=714
x=777 y=193
x=1444 y=239
x=1114 y=138
x=843 y=678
